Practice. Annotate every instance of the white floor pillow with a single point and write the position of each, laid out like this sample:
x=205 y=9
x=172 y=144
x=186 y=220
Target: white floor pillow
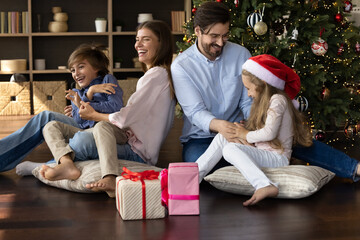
x=295 y=181
x=90 y=172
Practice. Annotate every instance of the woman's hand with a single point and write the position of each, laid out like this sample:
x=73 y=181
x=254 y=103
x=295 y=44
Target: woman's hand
x=73 y=96
x=68 y=111
x=86 y=111
x=108 y=88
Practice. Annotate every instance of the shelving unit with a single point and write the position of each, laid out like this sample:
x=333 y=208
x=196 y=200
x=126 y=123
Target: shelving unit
x=56 y=47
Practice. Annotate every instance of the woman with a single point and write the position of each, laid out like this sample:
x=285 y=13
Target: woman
x=147 y=117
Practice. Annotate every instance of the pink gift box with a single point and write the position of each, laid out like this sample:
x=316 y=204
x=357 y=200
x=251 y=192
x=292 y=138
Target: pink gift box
x=183 y=188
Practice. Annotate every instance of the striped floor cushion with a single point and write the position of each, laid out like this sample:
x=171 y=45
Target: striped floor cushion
x=295 y=181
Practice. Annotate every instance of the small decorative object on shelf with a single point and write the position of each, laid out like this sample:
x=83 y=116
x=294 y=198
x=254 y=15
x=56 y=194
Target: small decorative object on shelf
x=100 y=24
x=13 y=65
x=39 y=64
x=60 y=21
x=143 y=17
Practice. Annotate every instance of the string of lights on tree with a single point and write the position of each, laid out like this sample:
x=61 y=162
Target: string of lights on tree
x=317 y=40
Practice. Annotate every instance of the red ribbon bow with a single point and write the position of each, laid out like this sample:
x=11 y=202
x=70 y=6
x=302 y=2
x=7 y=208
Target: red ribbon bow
x=136 y=176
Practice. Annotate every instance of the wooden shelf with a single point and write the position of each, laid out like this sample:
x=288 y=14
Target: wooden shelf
x=127 y=70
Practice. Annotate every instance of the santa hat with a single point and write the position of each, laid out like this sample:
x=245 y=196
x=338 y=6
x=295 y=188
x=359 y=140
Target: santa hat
x=274 y=72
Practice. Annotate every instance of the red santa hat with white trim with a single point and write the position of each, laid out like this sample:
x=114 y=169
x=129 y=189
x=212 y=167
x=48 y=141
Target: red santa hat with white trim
x=274 y=72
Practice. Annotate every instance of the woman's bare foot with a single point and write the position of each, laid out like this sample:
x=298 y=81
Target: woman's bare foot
x=260 y=194
x=65 y=170
x=106 y=184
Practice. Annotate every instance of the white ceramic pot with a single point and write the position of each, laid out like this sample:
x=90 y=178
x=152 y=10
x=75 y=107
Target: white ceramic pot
x=100 y=25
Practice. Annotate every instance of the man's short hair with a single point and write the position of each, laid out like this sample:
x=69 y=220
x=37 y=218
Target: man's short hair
x=211 y=13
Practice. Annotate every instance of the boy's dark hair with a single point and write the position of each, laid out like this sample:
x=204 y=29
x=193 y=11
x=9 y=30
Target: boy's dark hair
x=94 y=54
x=211 y=13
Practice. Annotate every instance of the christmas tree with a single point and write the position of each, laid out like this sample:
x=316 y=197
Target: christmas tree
x=313 y=37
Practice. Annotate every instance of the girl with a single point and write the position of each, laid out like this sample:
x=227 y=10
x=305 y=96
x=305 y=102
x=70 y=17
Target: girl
x=273 y=127
x=97 y=87
x=146 y=119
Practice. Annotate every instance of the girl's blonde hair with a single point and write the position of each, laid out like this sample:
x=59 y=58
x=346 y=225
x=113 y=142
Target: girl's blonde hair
x=260 y=106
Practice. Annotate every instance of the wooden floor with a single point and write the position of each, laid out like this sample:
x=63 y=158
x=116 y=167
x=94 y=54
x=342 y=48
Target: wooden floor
x=30 y=209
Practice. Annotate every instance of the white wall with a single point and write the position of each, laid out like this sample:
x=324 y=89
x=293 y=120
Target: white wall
x=355 y=13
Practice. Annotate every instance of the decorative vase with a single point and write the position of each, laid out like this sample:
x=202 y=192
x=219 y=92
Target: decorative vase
x=100 y=25
x=58 y=27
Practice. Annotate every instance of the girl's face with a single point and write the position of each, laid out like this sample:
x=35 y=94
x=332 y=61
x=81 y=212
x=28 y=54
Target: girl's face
x=251 y=88
x=147 y=44
x=83 y=73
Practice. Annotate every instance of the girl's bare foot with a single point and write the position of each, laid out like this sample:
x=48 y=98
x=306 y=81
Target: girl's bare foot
x=260 y=194
x=106 y=184
x=65 y=170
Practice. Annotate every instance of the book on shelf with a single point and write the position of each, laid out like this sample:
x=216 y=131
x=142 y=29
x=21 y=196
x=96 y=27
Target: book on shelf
x=177 y=21
x=14 y=22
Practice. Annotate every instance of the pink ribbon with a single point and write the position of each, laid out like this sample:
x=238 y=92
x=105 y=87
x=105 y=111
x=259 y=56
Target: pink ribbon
x=164 y=187
x=165 y=196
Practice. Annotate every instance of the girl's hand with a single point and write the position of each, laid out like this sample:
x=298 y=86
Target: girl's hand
x=68 y=111
x=108 y=88
x=73 y=96
x=240 y=131
x=86 y=111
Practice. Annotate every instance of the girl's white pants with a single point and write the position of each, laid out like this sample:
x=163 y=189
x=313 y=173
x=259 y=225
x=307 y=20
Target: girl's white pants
x=247 y=159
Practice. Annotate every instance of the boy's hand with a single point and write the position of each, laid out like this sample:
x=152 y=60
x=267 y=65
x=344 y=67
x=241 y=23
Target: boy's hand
x=68 y=111
x=108 y=88
x=73 y=96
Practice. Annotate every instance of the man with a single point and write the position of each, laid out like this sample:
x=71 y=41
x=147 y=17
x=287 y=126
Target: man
x=208 y=86
x=207 y=81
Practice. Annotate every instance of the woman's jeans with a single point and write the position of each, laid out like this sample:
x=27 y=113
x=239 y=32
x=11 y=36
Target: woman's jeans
x=319 y=154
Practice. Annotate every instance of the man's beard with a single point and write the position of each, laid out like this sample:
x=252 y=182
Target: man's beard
x=207 y=50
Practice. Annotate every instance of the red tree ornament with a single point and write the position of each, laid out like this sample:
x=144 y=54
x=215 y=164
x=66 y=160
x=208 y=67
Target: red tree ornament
x=347 y=6
x=320 y=136
x=194 y=10
x=338 y=17
x=219 y=0
x=319 y=47
x=357 y=47
x=340 y=50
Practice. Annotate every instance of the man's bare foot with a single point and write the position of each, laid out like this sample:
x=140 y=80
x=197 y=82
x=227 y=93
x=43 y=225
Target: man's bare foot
x=260 y=194
x=106 y=184
x=65 y=170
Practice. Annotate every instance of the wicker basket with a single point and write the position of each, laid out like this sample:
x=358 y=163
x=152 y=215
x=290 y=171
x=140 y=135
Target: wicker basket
x=15 y=98
x=128 y=86
x=49 y=95
x=13 y=65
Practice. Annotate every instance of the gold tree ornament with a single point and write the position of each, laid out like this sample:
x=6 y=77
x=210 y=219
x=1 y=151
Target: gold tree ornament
x=260 y=28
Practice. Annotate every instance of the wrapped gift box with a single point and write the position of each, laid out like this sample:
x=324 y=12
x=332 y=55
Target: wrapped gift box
x=49 y=95
x=183 y=188
x=15 y=98
x=130 y=199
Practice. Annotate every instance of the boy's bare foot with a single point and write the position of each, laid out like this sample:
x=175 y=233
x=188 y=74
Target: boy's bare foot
x=106 y=184
x=260 y=194
x=65 y=170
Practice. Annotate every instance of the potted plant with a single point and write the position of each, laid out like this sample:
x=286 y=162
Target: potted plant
x=100 y=24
